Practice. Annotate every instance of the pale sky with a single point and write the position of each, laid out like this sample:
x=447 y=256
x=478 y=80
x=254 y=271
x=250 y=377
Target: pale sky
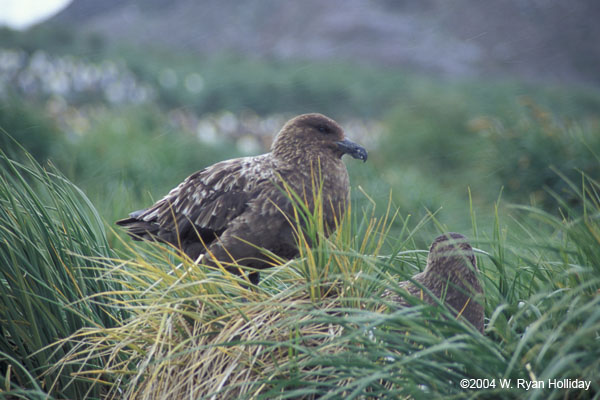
x=21 y=14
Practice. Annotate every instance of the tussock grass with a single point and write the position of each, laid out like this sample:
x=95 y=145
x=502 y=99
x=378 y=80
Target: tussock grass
x=200 y=332
x=51 y=241
x=150 y=324
x=317 y=327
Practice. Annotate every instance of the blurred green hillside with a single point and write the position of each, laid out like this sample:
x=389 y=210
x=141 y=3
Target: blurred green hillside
x=127 y=124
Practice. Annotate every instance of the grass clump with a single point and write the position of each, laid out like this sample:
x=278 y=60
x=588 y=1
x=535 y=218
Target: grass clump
x=318 y=327
x=80 y=323
x=51 y=241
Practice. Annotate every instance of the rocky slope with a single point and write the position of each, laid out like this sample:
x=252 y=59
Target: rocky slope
x=530 y=39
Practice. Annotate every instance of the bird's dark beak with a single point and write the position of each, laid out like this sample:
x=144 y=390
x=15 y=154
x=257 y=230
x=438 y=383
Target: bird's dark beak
x=349 y=147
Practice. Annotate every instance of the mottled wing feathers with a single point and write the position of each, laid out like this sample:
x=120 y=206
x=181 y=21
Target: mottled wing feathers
x=205 y=203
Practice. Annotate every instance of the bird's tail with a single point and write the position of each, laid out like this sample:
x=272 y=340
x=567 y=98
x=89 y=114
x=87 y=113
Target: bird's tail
x=137 y=228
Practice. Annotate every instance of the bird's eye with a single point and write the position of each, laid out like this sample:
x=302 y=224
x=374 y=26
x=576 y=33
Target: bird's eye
x=323 y=129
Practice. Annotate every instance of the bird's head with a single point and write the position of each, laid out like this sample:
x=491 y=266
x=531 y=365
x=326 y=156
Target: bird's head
x=448 y=253
x=314 y=134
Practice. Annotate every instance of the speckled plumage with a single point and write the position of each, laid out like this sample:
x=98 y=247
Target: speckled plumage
x=451 y=275
x=231 y=209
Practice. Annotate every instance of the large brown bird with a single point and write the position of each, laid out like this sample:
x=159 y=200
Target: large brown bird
x=233 y=209
x=451 y=275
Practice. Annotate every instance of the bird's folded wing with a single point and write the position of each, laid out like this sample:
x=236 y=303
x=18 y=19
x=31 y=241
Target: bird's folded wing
x=209 y=199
